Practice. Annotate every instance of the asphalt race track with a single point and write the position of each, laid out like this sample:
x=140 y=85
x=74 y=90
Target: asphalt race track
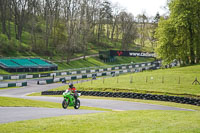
x=11 y=114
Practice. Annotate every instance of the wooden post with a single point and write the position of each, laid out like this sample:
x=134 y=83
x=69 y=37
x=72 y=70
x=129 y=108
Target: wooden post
x=163 y=79
x=103 y=80
x=146 y=79
x=179 y=80
x=131 y=79
x=117 y=80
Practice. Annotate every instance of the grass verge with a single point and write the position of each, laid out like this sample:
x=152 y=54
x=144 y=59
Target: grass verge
x=18 y=102
x=126 y=121
x=8 y=88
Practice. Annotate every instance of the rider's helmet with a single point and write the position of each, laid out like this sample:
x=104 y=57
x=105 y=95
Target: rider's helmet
x=70 y=85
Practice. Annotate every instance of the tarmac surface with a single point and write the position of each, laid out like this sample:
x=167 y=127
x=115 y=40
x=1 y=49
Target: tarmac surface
x=11 y=114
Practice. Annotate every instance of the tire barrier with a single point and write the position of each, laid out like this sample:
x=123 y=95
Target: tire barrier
x=6 y=85
x=175 y=99
x=147 y=65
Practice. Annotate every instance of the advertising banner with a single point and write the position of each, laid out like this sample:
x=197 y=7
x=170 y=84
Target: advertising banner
x=131 y=54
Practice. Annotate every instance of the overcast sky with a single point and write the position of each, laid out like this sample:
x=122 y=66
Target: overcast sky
x=151 y=7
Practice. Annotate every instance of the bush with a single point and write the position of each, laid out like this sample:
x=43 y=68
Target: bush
x=12 y=47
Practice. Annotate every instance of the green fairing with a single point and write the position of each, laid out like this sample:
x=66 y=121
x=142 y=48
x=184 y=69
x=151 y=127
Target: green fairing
x=69 y=100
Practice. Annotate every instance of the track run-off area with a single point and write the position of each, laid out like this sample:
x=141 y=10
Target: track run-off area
x=11 y=114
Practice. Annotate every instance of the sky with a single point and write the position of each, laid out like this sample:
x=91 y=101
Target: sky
x=151 y=7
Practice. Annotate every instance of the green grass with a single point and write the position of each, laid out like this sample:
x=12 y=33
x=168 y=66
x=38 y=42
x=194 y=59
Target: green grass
x=95 y=61
x=163 y=81
x=8 y=88
x=18 y=102
x=3 y=72
x=115 y=122
x=39 y=94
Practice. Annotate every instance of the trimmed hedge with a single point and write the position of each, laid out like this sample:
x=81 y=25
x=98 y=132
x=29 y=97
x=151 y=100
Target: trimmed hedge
x=176 y=99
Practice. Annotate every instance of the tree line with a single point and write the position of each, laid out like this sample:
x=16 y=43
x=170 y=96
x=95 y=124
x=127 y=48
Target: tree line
x=178 y=35
x=69 y=26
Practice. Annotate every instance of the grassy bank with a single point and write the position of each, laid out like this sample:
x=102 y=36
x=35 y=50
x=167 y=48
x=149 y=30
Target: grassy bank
x=18 y=102
x=90 y=62
x=95 y=61
x=127 y=121
x=174 y=81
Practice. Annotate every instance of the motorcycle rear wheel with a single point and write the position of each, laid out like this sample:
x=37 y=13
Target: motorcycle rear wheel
x=77 y=104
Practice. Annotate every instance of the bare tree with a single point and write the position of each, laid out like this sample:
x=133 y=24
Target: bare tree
x=21 y=12
x=72 y=9
x=142 y=22
x=116 y=11
x=3 y=10
x=128 y=29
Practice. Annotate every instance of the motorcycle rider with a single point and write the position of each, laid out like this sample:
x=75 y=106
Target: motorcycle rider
x=73 y=90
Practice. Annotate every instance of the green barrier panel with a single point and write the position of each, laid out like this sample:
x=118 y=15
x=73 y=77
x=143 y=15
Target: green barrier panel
x=11 y=84
x=49 y=81
x=62 y=79
x=104 y=74
x=78 y=72
x=6 y=77
x=22 y=76
x=84 y=76
x=35 y=75
x=87 y=71
x=58 y=74
x=24 y=84
x=73 y=78
x=67 y=73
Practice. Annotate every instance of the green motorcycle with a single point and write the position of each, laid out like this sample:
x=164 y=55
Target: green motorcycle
x=69 y=100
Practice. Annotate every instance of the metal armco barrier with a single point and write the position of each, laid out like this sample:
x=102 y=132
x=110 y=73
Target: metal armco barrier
x=5 y=85
x=98 y=74
x=175 y=99
x=153 y=65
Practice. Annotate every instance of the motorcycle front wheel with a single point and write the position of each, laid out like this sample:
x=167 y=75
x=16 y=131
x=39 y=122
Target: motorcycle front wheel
x=64 y=104
x=77 y=104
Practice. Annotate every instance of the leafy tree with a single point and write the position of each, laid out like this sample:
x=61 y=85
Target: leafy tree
x=178 y=36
